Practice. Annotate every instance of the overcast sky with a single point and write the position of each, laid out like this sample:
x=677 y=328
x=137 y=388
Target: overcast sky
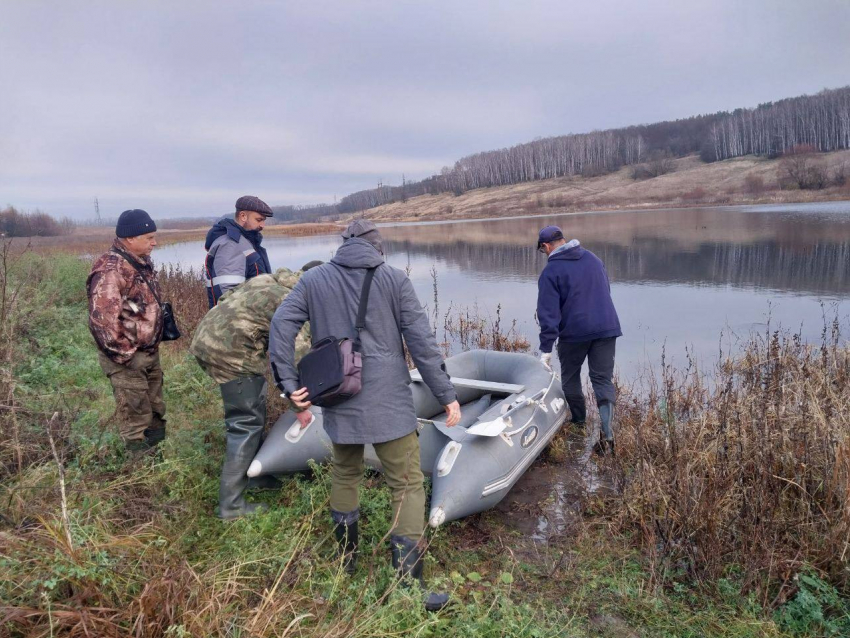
x=181 y=107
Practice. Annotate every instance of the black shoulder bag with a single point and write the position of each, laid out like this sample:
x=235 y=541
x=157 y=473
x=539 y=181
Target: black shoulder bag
x=331 y=371
x=170 y=331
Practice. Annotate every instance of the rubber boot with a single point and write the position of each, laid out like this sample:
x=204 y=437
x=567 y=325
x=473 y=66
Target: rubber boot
x=155 y=437
x=347 y=532
x=606 y=432
x=244 y=418
x=137 y=450
x=407 y=560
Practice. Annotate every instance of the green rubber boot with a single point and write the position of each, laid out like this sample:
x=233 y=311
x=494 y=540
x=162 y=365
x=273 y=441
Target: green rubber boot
x=605 y=445
x=244 y=417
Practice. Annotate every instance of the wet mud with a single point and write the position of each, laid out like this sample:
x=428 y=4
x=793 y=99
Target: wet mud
x=547 y=501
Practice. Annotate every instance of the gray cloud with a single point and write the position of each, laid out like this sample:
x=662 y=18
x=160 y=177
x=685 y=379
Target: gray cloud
x=182 y=107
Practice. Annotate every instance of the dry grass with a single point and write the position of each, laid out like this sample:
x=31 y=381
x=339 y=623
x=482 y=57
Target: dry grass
x=96 y=240
x=468 y=330
x=752 y=470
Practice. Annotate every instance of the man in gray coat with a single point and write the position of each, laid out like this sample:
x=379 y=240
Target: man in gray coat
x=382 y=413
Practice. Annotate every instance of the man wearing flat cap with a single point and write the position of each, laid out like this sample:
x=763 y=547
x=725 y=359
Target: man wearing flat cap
x=234 y=248
x=382 y=413
x=574 y=307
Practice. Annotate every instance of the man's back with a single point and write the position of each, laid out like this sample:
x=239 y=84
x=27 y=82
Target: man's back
x=232 y=339
x=329 y=297
x=574 y=301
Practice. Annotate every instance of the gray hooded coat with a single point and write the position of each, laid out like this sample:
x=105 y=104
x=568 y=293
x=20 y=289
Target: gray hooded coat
x=327 y=296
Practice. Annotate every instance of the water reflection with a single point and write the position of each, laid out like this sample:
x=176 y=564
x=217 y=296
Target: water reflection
x=679 y=277
x=804 y=253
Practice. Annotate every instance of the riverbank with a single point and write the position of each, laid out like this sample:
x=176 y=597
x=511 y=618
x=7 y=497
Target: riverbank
x=730 y=521
x=95 y=239
x=691 y=182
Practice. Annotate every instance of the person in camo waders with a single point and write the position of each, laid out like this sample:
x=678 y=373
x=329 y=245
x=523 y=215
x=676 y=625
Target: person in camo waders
x=574 y=306
x=231 y=344
x=234 y=248
x=126 y=322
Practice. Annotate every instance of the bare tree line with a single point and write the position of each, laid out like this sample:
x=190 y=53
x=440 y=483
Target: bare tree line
x=821 y=121
x=15 y=223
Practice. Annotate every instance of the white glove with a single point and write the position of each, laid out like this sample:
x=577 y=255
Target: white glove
x=546 y=360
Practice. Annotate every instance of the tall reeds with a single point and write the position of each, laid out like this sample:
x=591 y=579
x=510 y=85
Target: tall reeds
x=751 y=470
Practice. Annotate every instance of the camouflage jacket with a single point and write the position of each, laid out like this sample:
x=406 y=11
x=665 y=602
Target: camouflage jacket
x=232 y=340
x=124 y=315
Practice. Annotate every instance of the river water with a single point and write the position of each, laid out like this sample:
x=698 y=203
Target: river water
x=696 y=280
x=699 y=279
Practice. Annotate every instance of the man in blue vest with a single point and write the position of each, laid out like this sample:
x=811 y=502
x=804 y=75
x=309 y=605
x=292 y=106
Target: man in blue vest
x=574 y=306
x=234 y=250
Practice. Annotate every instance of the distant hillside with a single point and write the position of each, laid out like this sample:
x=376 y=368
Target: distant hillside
x=820 y=121
x=688 y=182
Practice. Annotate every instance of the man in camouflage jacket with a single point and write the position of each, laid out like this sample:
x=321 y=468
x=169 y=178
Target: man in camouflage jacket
x=231 y=345
x=125 y=320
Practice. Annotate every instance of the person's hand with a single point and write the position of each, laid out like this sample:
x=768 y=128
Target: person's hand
x=546 y=360
x=453 y=412
x=304 y=418
x=299 y=399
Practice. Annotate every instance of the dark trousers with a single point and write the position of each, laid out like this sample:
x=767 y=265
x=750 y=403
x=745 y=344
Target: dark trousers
x=600 y=360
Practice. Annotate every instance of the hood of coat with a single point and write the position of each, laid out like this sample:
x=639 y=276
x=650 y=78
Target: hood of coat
x=572 y=253
x=357 y=253
x=227 y=226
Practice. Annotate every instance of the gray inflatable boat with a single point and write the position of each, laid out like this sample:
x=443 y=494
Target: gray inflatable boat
x=511 y=407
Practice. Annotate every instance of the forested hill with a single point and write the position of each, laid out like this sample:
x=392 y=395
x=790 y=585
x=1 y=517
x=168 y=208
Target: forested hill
x=819 y=121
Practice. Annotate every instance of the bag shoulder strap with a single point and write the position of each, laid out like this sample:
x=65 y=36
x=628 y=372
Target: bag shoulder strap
x=138 y=268
x=364 y=302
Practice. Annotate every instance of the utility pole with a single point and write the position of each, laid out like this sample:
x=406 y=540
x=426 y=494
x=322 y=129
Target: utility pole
x=97 y=219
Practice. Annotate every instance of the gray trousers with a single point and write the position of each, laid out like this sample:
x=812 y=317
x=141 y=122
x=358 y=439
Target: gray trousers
x=600 y=360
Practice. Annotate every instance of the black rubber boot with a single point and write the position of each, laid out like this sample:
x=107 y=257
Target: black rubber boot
x=347 y=532
x=407 y=560
x=137 y=449
x=155 y=437
x=577 y=426
x=244 y=418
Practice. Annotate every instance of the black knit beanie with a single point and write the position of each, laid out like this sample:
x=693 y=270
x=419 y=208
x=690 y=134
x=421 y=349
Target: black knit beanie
x=133 y=223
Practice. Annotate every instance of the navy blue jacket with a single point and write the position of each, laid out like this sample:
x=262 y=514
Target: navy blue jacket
x=574 y=299
x=233 y=255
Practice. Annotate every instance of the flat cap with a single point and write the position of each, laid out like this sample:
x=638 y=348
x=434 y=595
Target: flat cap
x=255 y=204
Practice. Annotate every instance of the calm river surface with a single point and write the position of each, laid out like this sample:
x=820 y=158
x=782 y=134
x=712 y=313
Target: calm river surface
x=695 y=279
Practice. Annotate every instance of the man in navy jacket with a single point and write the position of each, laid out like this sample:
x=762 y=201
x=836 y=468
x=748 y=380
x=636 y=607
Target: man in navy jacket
x=574 y=306
x=234 y=250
